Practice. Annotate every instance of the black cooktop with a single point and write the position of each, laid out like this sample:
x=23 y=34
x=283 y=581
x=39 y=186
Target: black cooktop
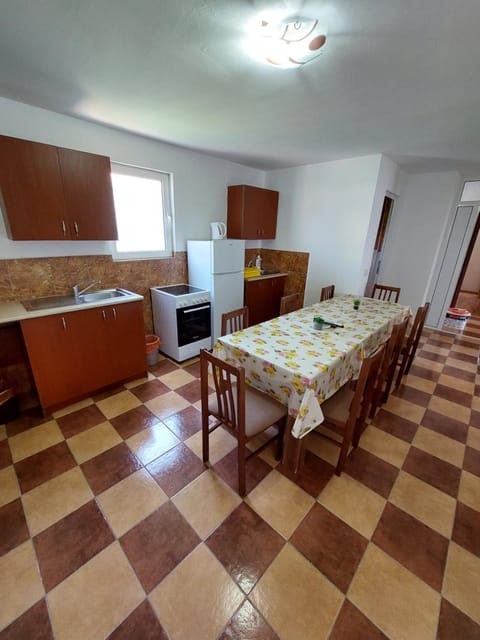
x=179 y=289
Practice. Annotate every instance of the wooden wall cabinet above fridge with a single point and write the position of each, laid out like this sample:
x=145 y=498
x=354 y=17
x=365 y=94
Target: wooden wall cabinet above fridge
x=52 y=193
x=251 y=212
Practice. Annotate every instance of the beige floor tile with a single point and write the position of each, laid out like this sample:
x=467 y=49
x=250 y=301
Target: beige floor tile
x=20 y=582
x=3 y=432
x=131 y=500
x=429 y=364
x=450 y=409
x=167 y=404
x=424 y=502
x=476 y=403
x=55 y=499
x=420 y=383
x=91 y=443
x=280 y=502
x=353 y=503
x=471 y=350
x=462 y=580
x=432 y=348
x=405 y=409
x=73 y=407
x=295 y=598
x=400 y=604
x=95 y=599
x=473 y=438
x=322 y=448
x=151 y=443
x=117 y=404
x=384 y=445
x=208 y=597
x=205 y=502
x=461 y=364
x=177 y=378
x=457 y=383
x=439 y=445
x=220 y=443
x=469 y=490
x=33 y=440
x=9 y=489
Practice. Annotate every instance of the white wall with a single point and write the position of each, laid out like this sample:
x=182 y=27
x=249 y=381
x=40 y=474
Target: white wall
x=200 y=181
x=422 y=215
x=326 y=209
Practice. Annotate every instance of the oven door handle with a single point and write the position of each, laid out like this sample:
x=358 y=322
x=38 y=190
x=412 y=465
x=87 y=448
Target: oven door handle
x=207 y=306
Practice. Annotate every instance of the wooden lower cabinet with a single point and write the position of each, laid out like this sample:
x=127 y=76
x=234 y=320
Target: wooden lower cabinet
x=262 y=297
x=73 y=354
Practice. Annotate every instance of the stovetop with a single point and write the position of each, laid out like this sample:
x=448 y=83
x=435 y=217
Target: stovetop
x=179 y=289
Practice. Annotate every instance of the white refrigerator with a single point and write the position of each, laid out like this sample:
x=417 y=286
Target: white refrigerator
x=218 y=266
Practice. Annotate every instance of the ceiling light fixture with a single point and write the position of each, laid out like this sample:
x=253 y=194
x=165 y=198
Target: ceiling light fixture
x=290 y=43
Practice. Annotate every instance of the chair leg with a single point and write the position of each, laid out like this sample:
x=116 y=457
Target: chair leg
x=401 y=370
x=205 y=444
x=280 y=437
x=241 y=469
x=347 y=439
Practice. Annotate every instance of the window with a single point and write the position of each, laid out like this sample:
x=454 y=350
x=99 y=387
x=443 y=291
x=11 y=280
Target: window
x=144 y=212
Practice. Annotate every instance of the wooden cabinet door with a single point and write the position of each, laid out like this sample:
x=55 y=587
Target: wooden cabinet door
x=88 y=195
x=262 y=297
x=125 y=341
x=31 y=189
x=251 y=212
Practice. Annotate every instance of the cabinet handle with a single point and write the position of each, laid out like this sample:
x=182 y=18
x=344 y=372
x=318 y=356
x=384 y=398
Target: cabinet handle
x=64 y=228
x=64 y=324
x=114 y=313
x=75 y=226
x=104 y=316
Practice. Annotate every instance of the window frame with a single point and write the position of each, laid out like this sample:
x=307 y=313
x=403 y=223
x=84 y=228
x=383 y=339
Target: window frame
x=166 y=178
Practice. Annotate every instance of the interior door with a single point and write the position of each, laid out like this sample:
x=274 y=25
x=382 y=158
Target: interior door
x=377 y=256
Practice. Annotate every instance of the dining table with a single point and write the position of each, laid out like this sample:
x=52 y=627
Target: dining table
x=292 y=360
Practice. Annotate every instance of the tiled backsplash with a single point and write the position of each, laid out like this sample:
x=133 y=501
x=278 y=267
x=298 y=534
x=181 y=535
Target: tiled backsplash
x=295 y=263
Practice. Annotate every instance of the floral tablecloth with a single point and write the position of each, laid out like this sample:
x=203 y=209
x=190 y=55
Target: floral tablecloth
x=301 y=366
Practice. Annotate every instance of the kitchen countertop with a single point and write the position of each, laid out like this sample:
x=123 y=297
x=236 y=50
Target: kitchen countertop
x=266 y=276
x=15 y=311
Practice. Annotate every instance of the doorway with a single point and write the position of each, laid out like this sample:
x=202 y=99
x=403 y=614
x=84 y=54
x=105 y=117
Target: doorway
x=377 y=256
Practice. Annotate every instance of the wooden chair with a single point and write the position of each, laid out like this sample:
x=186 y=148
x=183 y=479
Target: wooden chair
x=385 y=292
x=347 y=410
x=327 y=292
x=387 y=369
x=290 y=303
x=242 y=410
x=410 y=343
x=234 y=320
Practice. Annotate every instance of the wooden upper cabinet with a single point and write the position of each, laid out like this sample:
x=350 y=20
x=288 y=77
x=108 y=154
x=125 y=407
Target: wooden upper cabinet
x=251 y=212
x=51 y=193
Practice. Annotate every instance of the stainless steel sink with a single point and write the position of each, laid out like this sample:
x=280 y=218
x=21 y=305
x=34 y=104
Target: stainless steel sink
x=50 y=302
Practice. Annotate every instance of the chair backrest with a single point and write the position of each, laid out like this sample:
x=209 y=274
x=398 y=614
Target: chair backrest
x=229 y=385
x=327 y=292
x=386 y=374
x=416 y=331
x=365 y=387
x=385 y=292
x=234 y=320
x=290 y=303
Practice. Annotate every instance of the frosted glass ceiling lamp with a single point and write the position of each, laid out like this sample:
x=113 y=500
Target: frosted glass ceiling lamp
x=290 y=43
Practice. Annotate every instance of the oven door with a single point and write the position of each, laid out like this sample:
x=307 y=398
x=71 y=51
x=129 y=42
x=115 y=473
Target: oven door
x=193 y=323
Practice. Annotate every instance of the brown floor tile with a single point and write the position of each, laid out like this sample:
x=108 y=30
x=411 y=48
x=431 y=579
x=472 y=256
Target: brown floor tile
x=395 y=425
x=27 y=420
x=80 y=420
x=256 y=470
x=190 y=391
x=131 y=422
x=468 y=376
x=163 y=367
x=430 y=355
x=176 y=468
x=413 y=544
x=475 y=415
x=330 y=544
x=149 y=390
x=248 y=623
x=109 y=467
x=43 y=466
x=445 y=425
x=34 y=624
x=313 y=476
x=423 y=372
x=454 y=395
x=371 y=471
x=13 y=526
x=193 y=369
x=430 y=469
x=185 y=423
x=5 y=455
x=455 y=624
x=351 y=624
x=412 y=395
x=158 y=544
x=471 y=462
x=70 y=543
x=246 y=545
x=465 y=357
x=141 y=624
x=466 y=528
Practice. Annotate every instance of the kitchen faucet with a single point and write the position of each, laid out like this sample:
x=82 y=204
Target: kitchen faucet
x=78 y=293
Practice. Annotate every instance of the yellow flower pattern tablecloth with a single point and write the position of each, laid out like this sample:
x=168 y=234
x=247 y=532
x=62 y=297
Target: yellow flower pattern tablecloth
x=301 y=366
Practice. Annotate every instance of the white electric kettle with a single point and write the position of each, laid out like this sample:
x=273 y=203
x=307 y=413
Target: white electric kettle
x=219 y=230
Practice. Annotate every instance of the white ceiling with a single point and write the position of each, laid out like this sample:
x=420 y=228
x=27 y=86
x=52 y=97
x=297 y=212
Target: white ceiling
x=399 y=77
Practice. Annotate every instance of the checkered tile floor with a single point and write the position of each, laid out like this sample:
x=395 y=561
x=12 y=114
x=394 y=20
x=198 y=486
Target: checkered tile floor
x=111 y=527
